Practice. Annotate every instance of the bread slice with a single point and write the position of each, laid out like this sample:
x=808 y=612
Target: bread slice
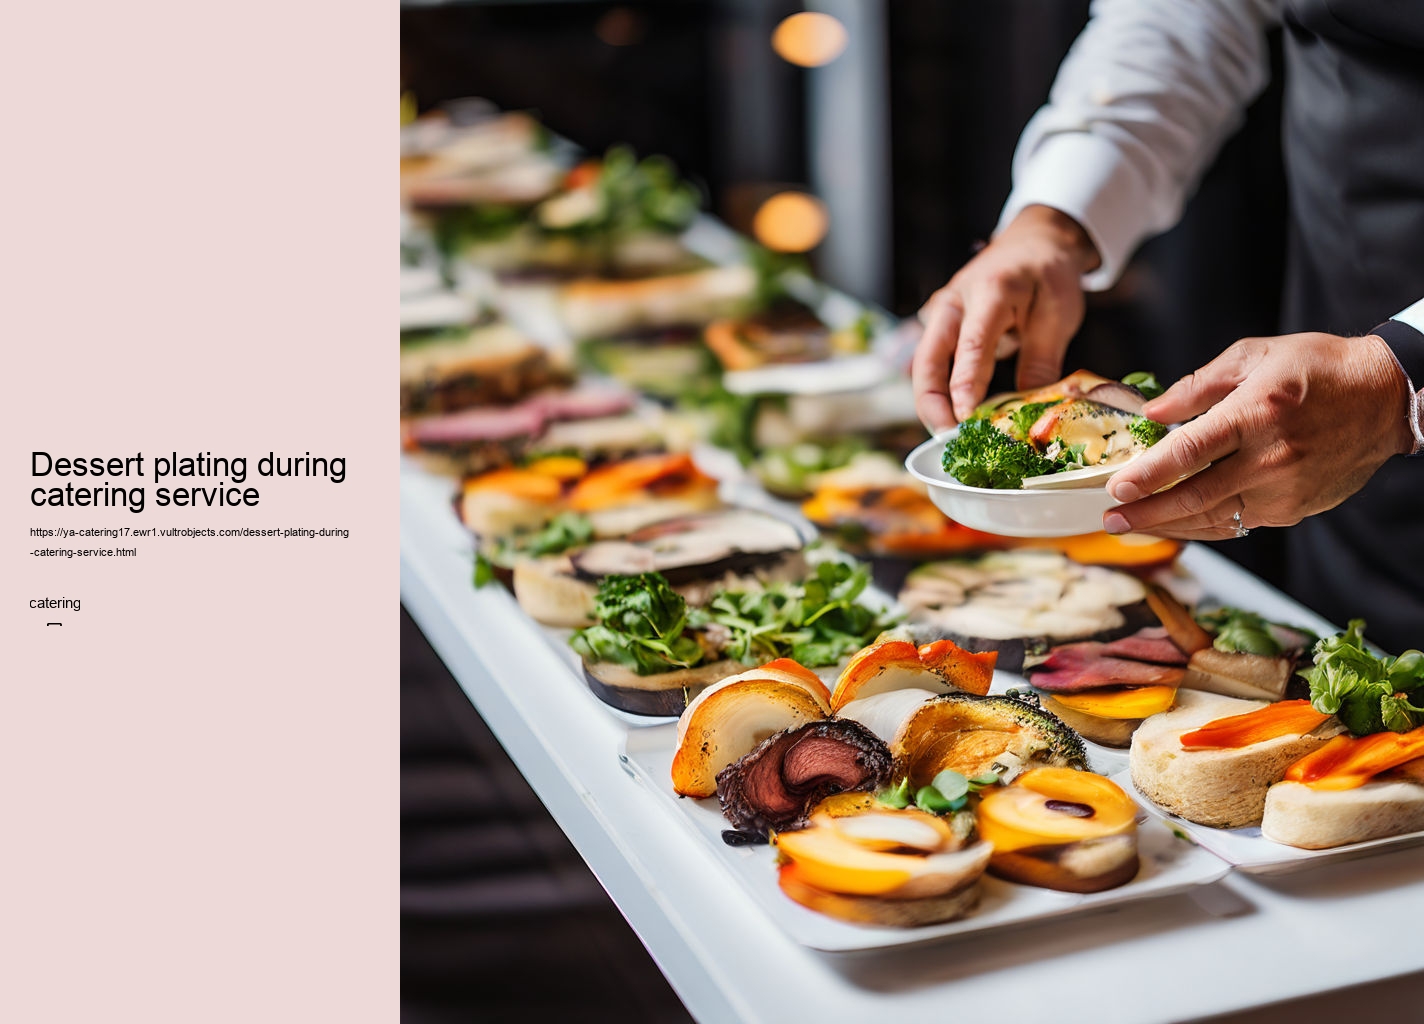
x=1317 y=819
x=1220 y=788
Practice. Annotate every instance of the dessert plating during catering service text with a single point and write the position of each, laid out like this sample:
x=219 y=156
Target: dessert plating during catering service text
x=229 y=471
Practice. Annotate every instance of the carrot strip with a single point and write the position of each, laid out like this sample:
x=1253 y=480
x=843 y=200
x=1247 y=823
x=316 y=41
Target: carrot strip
x=1348 y=762
x=1284 y=718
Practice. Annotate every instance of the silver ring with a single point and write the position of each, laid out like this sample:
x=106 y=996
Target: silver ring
x=1241 y=529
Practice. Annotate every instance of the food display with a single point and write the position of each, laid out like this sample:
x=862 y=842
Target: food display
x=1344 y=766
x=647 y=449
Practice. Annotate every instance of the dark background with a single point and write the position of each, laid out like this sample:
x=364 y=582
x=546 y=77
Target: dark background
x=493 y=897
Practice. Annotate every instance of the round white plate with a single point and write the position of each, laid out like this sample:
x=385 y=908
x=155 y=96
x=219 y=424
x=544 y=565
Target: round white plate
x=1042 y=513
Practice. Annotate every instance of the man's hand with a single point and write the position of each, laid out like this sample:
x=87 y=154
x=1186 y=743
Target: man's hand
x=1288 y=427
x=1022 y=293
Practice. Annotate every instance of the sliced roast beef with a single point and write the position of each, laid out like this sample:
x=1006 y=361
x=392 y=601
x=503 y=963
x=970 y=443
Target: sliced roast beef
x=777 y=784
x=1148 y=644
x=525 y=418
x=1074 y=667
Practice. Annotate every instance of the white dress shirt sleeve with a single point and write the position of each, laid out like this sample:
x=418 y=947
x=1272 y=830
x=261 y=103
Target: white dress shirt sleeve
x=1404 y=334
x=1141 y=105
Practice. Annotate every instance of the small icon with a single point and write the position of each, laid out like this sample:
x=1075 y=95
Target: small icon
x=54 y=623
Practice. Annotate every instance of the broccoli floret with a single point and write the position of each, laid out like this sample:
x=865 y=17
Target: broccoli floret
x=1149 y=432
x=981 y=455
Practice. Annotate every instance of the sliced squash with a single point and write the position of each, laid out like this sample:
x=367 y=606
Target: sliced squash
x=1120 y=701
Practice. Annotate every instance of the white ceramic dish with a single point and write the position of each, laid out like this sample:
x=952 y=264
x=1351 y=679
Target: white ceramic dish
x=1022 y=513
x=1169 y=865
x=1249 y=851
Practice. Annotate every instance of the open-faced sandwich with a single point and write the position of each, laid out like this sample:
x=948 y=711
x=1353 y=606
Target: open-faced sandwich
x=488 y=362
x=1024 y=601
x=485 y=437
x=617 y=215
x=1081 y=422
x=1106 y=689
x=614 y=307
x=725 y=548
x=888 y=797
x=784 y=332
x=1342 y=767
x=653 y=646
x=613 y=497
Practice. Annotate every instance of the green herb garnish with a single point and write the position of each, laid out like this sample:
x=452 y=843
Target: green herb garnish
x=816 y=622
x=566 y=530
x=897 y=796
x=641 y=623
x=484 y=570
x=1369 y=694
x=1144 y=382
x=1240 y=631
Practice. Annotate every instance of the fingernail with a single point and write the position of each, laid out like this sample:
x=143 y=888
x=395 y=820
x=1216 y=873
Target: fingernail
x=1125 y=491
x=1116 y=522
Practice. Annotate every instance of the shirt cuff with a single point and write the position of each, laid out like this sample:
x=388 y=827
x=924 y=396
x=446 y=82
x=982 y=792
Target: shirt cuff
x=1086 y=177
x=1406 y=340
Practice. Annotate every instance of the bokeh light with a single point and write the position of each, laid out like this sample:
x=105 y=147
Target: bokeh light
x=809 y=39
x=791 y=222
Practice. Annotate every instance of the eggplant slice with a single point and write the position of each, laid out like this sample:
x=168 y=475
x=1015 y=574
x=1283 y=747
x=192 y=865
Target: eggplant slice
x=664 y=695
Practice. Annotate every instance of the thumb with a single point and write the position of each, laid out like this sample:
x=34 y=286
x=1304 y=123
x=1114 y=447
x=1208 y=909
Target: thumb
x=1197 y=392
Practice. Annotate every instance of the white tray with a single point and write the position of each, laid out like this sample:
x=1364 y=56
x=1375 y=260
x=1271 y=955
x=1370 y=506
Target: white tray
x=1169 y=865
x=1249 y=851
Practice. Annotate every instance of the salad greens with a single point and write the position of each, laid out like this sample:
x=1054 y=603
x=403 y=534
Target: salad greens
x=1368 y=693
x=641 y=623
x=816 y=622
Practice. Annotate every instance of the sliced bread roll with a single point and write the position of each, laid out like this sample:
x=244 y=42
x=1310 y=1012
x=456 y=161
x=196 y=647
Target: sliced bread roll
x=1317 y=819
x=1219 y=788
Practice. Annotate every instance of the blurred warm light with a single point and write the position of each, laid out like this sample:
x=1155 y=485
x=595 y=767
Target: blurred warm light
x=809 y=39
x=791 y=222
x=620 y=26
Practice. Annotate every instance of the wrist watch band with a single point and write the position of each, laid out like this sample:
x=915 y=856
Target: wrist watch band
x=1407 y=344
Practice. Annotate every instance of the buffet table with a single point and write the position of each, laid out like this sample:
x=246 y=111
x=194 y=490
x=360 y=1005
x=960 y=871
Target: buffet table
x=1238 y=943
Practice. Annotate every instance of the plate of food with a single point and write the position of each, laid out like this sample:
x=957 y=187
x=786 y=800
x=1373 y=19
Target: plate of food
x=1036 y=463
x=904 y=804
x=1274 y=787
